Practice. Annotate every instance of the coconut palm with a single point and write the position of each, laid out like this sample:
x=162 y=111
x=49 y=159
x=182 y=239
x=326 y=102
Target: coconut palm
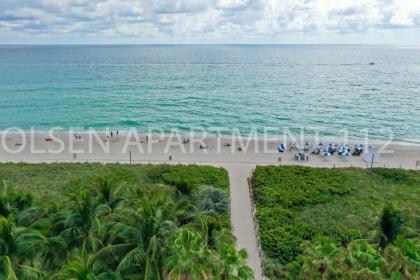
x=84 y=266
x=83 y=223
x=232 y=263
x=189 y=257
x=12 y=202
x=154 y=234
x=323 y=258
x=139 y=238
x=19 y=248
x=108 y=192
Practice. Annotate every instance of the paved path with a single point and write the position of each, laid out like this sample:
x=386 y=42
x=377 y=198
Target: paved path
x=241 y=215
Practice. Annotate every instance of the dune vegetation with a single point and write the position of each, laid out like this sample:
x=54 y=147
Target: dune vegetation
x=94 y=221
x=338 y=223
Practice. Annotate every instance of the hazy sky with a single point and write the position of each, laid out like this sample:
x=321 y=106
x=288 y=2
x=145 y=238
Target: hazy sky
x=206 y=21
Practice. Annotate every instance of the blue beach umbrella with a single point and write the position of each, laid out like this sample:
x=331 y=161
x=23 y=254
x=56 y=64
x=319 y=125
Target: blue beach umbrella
x=282 y=148
x=345 y=153
x=342 y=149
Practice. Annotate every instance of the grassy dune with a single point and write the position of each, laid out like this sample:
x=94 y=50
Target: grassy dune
x=54 y=181
x=301 y=210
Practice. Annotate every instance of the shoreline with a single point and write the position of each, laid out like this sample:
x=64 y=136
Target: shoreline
x=210 y=150
x=212 y=134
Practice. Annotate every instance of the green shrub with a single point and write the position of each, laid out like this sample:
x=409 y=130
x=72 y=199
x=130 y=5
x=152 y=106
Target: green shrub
x=212 y=200
x=193 y=174
x=183 y=185
x=298 y=206
x=397 y=176
x=391 y=224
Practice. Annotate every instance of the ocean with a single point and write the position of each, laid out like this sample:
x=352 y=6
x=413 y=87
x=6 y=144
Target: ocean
x=372 y=90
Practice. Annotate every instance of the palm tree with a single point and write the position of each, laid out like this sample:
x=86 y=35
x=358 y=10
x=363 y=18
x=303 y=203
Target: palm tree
x=84 y=266
x=19 y=247
x=83 y=223
x=140 y=236
x=12 y=202
x=323 y=259
x=5 y=207
x=189 y=257
x=232 y=263
x=109 y=193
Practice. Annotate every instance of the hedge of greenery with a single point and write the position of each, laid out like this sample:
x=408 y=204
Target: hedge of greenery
x=320 y=223
x=94 y=221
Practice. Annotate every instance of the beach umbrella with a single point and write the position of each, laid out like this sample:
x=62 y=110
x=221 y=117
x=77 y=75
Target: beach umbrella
x=358 y=148
x=325 y=153
x=346 y=153
x=282 y=148
x=342 y=149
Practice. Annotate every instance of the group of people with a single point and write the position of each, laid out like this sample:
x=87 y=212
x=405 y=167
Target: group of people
x=320 y=149
x=111 y=134
x=343 y=150
x=301 y=157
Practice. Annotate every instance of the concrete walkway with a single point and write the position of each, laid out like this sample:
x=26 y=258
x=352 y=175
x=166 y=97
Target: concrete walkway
x=241 y=215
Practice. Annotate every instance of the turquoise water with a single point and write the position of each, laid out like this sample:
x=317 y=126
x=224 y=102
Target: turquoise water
x=326 y=87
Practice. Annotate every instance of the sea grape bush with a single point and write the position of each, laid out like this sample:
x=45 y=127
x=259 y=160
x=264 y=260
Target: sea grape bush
x=318 y=223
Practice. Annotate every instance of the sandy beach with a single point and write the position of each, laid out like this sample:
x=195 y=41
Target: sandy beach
x=64 y=147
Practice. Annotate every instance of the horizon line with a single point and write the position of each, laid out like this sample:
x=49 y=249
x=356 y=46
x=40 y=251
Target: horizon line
x=208 y=44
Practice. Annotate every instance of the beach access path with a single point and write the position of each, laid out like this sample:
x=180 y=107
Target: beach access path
x=242 y=216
